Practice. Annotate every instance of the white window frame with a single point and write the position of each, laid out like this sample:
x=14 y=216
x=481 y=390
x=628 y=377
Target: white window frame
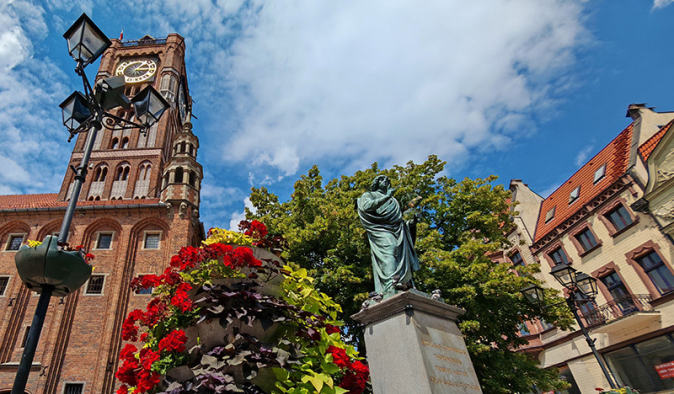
x=86 y=287
x=603 y=174
x=63 y=389
x=98 y=238
x=151 y=232
x=550 y=214
x=142 y=295
x=9 y=240
x=9 y=281
x=572 y=197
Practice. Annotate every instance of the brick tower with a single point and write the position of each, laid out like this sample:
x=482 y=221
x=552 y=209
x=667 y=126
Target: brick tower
x=138 y=206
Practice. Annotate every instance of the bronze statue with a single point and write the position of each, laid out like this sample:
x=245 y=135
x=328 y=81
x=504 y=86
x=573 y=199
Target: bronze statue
x=391 y=238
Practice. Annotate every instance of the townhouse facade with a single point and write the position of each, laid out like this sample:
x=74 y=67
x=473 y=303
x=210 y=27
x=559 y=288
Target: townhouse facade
x=614 y=220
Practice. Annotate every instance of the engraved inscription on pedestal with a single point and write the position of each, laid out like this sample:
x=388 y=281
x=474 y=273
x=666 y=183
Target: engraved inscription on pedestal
x=414 y=346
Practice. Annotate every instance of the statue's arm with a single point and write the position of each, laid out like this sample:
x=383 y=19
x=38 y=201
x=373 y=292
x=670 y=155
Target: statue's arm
x=372 y=203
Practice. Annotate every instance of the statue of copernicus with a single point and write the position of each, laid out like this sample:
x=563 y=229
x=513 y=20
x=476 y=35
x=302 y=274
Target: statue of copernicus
x=391 y=242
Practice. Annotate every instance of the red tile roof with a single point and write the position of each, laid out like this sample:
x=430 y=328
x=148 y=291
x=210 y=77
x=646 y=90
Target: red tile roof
x=49 y=200
x=649 y=146
x=615 y=155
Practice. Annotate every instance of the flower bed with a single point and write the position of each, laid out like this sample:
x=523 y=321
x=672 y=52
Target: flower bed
x=223 y=320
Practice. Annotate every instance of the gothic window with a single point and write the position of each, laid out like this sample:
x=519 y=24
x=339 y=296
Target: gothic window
x=179 y=175
x=101 y=173
x=182 y=147
x=190 y=149
x=114 y=143
x=144 y=172
x=193 y=178
x=167 y=87
x=657 y=272
x=125 y=142
x=122 y=173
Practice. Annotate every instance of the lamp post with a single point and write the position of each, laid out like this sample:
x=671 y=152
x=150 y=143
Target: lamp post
x=574 y=281
x=49 y=269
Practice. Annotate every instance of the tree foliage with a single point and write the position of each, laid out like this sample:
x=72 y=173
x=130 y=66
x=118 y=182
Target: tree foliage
x=462 y=224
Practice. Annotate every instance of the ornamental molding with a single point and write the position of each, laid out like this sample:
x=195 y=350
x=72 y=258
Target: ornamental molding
x=121 y=153
x=617 y=187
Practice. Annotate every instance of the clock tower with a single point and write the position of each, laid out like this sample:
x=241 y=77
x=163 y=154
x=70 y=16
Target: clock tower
x=138 y=206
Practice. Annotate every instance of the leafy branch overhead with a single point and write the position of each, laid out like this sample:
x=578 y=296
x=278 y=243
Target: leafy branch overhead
x=463 y=223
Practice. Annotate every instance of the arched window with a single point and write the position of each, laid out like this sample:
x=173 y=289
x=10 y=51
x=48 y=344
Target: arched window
x=125 y=142
x=97 y=198
x=122 y=173
x=114 y=143
x=101 y=173
x=179 y=175
x=191 y=147
x=193 y=178
x=144 y=171
x=182 y=147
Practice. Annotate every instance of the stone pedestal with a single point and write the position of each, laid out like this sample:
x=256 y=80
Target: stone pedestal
x=414 y=346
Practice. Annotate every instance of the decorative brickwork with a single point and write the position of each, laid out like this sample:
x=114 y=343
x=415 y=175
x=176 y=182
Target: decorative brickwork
x=80 y=340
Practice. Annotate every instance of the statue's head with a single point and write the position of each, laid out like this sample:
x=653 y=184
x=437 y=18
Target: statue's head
x=380 y=182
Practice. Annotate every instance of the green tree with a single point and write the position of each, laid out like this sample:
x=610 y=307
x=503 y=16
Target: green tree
x=462 y=224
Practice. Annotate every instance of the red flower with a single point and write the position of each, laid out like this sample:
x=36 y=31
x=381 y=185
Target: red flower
x=127 y=372
x=173 y=341
x=148 y=357
x=330 y=329
x=156 y=310
x=243 y=257
x=339 y=357
x=129 y=329
x=89 y=257
x=128 y=352
x=182 y=301
x=122 y=390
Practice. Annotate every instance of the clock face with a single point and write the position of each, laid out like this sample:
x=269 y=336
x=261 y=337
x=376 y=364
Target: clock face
x=138 y=70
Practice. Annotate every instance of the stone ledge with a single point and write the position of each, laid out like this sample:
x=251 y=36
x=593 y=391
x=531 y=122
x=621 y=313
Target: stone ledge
x=14 y=367
x=412 y=300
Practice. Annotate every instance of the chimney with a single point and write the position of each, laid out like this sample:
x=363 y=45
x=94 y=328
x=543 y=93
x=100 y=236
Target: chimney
x=634 y=110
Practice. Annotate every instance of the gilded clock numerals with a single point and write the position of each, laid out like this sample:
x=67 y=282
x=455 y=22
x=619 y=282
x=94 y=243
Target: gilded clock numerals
x=138 y=70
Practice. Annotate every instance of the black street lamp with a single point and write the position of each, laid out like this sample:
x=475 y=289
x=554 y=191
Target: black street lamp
x=49 y=269
x=573 y=281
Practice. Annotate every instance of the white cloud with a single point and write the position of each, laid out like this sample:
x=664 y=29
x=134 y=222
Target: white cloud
x=392 y=81
x=282 y=85
x=239 y=216
x=34 y=153
x=582 y=156
x=661 y=3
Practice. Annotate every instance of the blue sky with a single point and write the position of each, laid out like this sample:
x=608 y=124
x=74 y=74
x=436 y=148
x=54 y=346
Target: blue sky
x=524 y=89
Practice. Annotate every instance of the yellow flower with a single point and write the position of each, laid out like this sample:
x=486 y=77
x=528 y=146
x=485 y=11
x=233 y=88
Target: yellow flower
x=34 y=244
x=227 y=237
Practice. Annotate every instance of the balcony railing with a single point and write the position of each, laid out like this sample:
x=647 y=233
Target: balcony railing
x=594 y=315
